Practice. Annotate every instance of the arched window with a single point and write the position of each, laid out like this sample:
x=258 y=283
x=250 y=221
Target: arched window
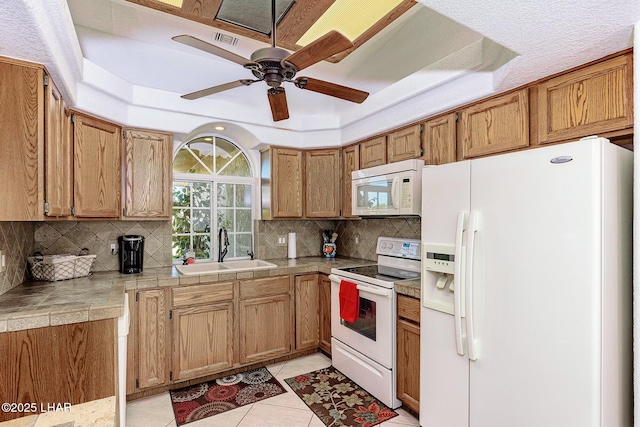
x=212 y=189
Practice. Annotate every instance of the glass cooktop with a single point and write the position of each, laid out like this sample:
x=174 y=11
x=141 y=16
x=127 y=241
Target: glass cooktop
x=381 y=272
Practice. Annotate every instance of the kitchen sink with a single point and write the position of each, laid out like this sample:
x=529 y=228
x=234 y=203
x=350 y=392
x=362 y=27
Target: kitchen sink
x=224 y=267
x=249 y=264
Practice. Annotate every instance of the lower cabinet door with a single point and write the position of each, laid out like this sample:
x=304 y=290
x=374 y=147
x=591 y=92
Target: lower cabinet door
x=306 y=292
x=265 y=328
x=152 y=338
x=324 y=303
x=202 y=340
x=408 y=363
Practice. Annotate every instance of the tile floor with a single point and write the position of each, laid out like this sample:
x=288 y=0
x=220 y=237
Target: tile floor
x=285 y=410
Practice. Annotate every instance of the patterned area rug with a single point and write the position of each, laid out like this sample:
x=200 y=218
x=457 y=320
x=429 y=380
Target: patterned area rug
x=214 y=397
x=338 y=401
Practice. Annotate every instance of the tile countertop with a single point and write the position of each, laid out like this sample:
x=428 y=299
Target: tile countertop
x=101 y=295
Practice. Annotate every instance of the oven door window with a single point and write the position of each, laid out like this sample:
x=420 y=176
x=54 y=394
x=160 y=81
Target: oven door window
x=365 y=324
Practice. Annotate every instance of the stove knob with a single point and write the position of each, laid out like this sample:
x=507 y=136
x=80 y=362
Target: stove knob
x=384 y=245
x=390 y=245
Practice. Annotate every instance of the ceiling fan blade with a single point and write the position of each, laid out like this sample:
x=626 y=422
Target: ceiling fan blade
x=218 y=51
x=278 y=102
x=331 y=43
x=216 y=89
x=332 y=89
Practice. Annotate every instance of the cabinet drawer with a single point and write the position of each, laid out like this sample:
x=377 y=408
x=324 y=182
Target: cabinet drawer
x=264 y=287
x=202 y=294
x=409 y=308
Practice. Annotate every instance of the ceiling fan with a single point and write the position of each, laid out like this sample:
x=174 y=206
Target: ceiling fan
x=276 y=66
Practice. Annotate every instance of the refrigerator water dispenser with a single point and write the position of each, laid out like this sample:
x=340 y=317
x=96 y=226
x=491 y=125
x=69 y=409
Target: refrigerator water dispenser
x=438 y=262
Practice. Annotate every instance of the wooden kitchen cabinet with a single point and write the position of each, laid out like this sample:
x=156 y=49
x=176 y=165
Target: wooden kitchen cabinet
x=202 y=340
x=404 y=144
x=306 y=292
x=439 y=138
x=152 y=343
x=322 y=169
x=96 y=168
x=266 y=321
x=373 y=152
x=58 y=155
x=408 y=352
x=22 y=135
x=147 y=174
x=324 y=313
x=496 y=125
x=286 y=186
x=589 y=101
x=350 y=163
x=72 y=363
x=203 y=329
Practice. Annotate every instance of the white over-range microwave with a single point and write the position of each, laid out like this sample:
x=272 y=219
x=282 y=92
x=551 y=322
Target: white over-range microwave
x=387 y=190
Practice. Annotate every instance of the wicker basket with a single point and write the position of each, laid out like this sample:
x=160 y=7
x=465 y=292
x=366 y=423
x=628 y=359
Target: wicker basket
x=52 y=268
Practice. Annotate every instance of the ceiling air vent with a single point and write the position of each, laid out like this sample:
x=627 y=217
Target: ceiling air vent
x=225 y=38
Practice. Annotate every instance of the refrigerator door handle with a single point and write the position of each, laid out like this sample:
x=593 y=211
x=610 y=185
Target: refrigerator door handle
x=395 y=194
x=472 y=229
x=458 y=280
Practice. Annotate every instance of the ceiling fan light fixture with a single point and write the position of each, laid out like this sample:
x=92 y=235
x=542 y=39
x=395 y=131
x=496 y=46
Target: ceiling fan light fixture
x=349 y=17
x=219 y=128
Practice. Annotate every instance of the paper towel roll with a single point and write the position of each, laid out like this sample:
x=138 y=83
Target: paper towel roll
x=292 y=246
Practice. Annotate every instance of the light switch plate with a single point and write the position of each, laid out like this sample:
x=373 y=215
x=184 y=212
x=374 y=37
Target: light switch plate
x=3 y=262
x=282 y=241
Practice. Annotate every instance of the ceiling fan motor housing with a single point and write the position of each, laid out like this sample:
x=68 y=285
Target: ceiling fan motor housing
x=271 y=69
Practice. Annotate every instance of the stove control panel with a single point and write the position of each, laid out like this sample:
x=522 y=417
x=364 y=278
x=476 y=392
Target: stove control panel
x=401 y=248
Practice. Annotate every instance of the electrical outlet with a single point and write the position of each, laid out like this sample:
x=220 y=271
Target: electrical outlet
x=357 y=239
x=113 y=248
x=282 y=241
x=3 y=262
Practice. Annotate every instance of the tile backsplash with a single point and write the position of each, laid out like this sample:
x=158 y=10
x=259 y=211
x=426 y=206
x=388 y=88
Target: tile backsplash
x=309 y=236
x=21 y=239
x=16 y=242
x=368 y=230
x=69 y=237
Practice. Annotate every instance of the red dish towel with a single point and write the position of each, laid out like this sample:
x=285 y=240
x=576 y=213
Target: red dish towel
x=349 y=301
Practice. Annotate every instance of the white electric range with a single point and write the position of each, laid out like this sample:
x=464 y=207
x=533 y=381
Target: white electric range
x=365 y=350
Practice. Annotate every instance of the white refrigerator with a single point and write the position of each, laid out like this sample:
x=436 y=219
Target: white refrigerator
x=526 y=317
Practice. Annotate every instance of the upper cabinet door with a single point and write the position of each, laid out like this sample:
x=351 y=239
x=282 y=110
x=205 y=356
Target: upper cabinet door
x=96 y=168
x=373 y=152
x=440 y=140
x=589 y=101
x=286 y=183
x=58 y=155
x=147 y=187
x=496 y=125
x=323 y=183
x=350 y=163
x=21 y=141
x=404 y=144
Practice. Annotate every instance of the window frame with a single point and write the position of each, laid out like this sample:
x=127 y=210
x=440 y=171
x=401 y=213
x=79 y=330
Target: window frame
x=214 y=180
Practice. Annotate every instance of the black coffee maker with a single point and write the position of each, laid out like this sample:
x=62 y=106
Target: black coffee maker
x=131 y=252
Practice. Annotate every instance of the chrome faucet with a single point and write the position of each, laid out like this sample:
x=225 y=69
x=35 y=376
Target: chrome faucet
x=222 y=253
x=250 y=253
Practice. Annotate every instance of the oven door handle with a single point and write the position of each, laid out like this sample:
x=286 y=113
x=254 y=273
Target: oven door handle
x=384 y=292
